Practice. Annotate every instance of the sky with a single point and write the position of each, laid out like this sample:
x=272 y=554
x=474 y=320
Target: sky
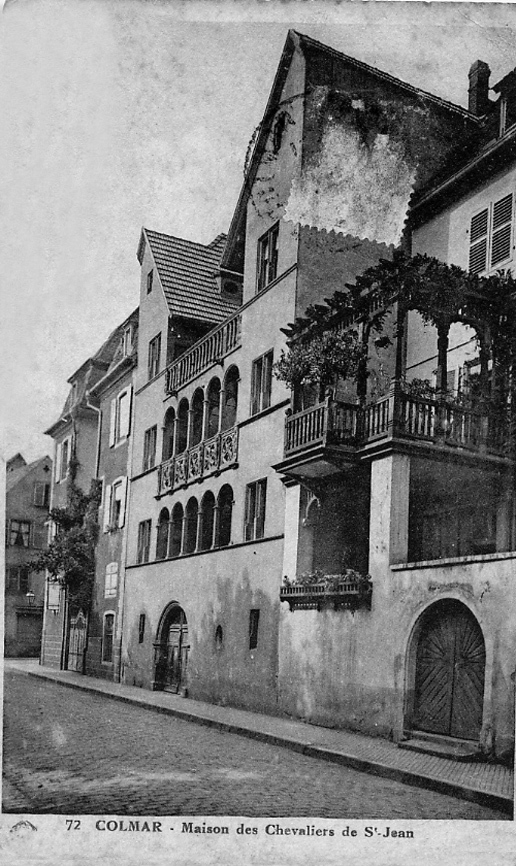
x=123 y=113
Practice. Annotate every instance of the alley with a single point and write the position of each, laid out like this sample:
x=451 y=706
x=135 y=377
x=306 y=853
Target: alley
x=69 y=752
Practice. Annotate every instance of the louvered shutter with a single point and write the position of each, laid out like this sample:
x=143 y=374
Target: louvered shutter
x=107 y=506
x=478 y=242
x=502 y=230
x=123 y=497
x=112 y=424
x=127 y=430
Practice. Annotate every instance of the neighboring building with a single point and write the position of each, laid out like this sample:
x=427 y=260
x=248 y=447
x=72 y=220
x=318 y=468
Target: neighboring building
x=75 y=439
x=27 y=503
x=113 y=396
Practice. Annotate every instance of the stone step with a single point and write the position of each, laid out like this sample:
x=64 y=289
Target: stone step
x=458 y=750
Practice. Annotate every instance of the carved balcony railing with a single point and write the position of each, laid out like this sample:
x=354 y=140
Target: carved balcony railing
x=207 y=458
x=397 y=415
x=347 y=595
x=209 y=350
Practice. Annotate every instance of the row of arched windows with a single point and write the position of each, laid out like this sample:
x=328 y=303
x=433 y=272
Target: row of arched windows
x=196 y=527
x=211 y=411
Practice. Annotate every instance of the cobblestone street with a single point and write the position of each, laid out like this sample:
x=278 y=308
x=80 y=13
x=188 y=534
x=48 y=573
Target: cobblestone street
x=73 y=753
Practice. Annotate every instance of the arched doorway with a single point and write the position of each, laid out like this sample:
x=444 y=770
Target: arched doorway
x=171 y=651
x=449 y=656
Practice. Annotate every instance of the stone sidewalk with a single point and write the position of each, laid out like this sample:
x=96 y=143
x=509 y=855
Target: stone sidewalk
x=488 y=784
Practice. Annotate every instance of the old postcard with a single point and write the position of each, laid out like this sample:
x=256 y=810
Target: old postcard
x=259 y=430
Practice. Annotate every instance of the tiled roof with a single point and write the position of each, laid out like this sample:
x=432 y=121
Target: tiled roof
x=187 y=273
x=12 y=478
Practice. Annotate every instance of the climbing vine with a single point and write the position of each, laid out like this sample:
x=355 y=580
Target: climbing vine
x=70 y=557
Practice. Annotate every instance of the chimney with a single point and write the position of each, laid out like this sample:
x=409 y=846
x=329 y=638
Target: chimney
x=478 y=94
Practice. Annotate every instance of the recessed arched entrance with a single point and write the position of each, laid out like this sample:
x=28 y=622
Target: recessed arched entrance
x=448 y=663
x=171 y=651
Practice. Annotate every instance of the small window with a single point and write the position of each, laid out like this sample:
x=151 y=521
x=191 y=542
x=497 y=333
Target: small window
x=127 y=341
x=18 y=578
x=144 y=534
x=154 y=356
x=254 y=619
x=268 y=258
x=120 y=418
x=149 y=448
x=41 y=494
x=107 y=637
x=150 y=280
x=256 y=494
x=19 y=533
x=62 y=460
x=278 y=131
x=219 y=638
x=117 y=491
x=261 y=383
x=141 y=628
x=111 y=580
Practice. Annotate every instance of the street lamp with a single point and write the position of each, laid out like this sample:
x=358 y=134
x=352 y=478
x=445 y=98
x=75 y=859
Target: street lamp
x=30 y=596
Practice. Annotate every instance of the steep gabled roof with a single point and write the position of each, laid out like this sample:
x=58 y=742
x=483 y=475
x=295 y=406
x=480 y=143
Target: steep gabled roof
x=187 y=274
x=14 y=477
x=233 y=255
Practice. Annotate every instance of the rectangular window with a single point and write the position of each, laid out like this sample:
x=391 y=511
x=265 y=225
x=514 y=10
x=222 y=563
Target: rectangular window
x=267 y=258
x=490 y=237
x=261 y=383
x=19 y=533
x=144 y=534
x=107 y=637
x=64 y=459
x=127 y=341
x=114 y=504
x=141 y=628
x=41 y=494
x=256 y=494
x=149 y=448
x=39 y=536
x=18 y=578
x=111 y=580
x=154 y=356
x=254 y=619
x=150 y=280
x=120 y=417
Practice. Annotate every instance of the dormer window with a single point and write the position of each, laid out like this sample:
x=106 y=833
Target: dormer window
x=507 y=112
x=150 y=279
x=127 y=341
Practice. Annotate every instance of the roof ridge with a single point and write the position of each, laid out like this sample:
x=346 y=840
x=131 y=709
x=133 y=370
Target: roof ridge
x=206 y=247
x=386 y=75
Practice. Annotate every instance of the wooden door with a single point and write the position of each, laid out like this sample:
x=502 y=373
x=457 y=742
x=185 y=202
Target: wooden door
x=176 y=653
x=450 y=669
x=77 y=642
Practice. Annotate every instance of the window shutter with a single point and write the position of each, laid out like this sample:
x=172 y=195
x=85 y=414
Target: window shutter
x=127 y=430
x=58 y=462
x=267 y=380
x=260 y=508
x=502 y=225
x=112 y=424
x=107 y=507
x=123 y=497
x=478 y=242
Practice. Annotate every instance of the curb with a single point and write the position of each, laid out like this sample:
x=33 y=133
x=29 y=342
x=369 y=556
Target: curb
x=363 y=765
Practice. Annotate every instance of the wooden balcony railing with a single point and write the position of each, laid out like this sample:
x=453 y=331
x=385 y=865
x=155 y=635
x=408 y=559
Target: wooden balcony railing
x=207 y=351
x=213 y=455
x=396 y=415
x=316 y=596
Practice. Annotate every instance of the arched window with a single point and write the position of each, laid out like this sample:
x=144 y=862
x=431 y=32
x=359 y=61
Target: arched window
x=168 y=434
x=229 y=408
x=182 y=426
x=162 y=540
x=196 y=421
x=213 y=408
x=176 y=530
x=207 y=519
x=191 y=518
x=224 y=513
